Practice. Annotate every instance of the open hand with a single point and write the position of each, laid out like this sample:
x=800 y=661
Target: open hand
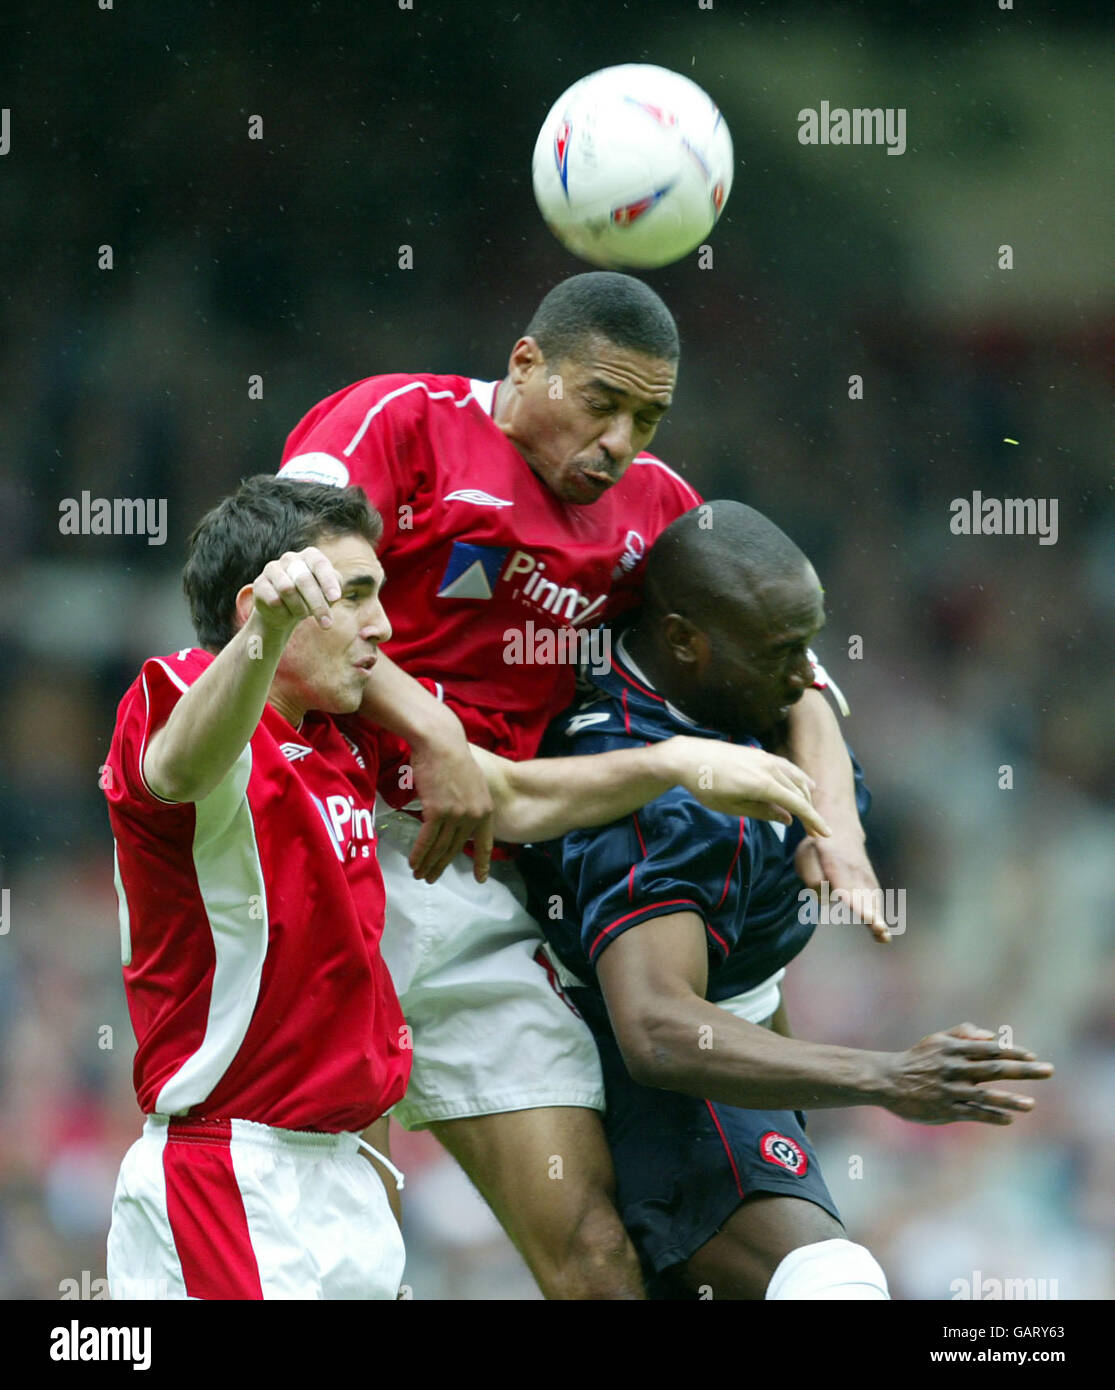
x=942 y=1078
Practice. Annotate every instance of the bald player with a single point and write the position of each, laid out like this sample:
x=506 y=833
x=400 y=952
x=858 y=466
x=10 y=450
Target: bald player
x=674 y=927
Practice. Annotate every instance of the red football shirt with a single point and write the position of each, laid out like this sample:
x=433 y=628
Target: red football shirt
x=476 y=547
x=250 y=923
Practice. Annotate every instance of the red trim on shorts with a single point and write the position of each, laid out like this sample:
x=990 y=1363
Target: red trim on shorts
x=626 y=713
x=727 y=1149
x=555 y=984
x=206 y=1211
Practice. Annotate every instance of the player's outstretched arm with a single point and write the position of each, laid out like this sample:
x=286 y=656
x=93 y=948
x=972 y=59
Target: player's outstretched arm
x=545 y=797
x=208 y=728
x=456 y=803
x=654 y=979
x=814 y=742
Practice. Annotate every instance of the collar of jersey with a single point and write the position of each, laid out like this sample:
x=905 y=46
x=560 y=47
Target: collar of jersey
x=484 y=394
x=633 y=677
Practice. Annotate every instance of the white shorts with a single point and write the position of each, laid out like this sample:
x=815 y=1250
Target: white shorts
x=491 y=1028
x=235 y=1210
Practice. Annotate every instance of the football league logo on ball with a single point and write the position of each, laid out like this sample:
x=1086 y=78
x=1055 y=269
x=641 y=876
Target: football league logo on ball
x=783 y=1152
x=632 y=166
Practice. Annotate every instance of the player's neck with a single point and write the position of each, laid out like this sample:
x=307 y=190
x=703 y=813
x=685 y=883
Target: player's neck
x=500 y=403
x=641 y=647
x=283 y=702
x=503 y=419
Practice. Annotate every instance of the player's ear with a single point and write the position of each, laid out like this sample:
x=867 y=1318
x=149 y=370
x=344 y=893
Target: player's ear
x=687 y=643
x=245 y=602
x=526 y=357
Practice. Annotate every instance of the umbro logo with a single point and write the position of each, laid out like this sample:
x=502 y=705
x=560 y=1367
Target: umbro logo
x=477 y=498
x=294 y=751
x=585 y=721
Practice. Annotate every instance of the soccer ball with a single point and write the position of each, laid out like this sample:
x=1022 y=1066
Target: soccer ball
x=632 y=166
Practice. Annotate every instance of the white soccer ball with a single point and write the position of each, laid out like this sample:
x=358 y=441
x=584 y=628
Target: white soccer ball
x=632 y=166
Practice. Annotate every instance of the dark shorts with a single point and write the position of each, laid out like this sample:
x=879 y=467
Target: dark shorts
x=684 y=1165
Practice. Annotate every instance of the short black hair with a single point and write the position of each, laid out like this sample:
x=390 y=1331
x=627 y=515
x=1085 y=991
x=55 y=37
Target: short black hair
x=715 y=557
x=605 y=304
x=265 y=517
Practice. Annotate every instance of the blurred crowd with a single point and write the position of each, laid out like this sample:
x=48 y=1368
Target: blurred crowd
x=979 y=654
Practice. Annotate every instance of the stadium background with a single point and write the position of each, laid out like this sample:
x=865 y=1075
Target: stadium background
x=385 y=126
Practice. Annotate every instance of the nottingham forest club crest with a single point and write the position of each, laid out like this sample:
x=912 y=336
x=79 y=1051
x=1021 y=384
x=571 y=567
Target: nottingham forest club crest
x=634 y=548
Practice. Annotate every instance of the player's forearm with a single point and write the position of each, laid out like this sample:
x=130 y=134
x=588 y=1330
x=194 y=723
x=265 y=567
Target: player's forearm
x=815 y=744
x=545 y=797
x=397 y=702
x=702 y=1050
x=211 y=724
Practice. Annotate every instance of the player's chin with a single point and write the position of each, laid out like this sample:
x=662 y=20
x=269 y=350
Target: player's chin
x=769 y=727
x=354 y=694
x=583 y=492
x=344 y=697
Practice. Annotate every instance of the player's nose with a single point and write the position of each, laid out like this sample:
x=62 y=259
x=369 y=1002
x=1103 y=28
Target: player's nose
x=378 y=626
x=801 y=677
x=617 y=439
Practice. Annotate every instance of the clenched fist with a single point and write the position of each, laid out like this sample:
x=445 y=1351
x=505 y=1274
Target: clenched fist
x=300 y=584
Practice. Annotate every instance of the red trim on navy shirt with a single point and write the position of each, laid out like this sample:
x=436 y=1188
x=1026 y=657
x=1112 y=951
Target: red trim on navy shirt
x=650 y=907
x=618 y=669
x=718 y=939
x=639 y=833
x=731 y=867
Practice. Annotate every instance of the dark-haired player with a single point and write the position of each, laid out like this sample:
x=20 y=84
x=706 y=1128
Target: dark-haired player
x=242 y=804
x=269 y=1035
x=680 y=922
x=510 y=508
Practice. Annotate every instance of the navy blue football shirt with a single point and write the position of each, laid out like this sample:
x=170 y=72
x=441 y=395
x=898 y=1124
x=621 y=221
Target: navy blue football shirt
x=673 y=855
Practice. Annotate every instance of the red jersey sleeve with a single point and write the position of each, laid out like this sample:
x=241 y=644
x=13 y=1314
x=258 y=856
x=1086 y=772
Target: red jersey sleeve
x=143 y=711
x=673 y=497
x=372 y=435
